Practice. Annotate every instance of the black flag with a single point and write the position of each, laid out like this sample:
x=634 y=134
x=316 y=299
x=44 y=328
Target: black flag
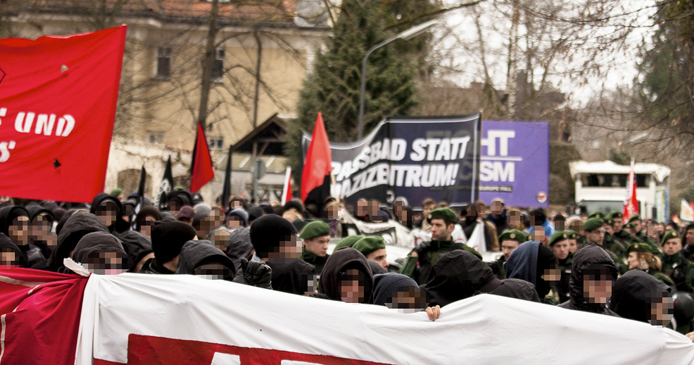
x=165 y=187
x=140 y=196
x=226 y=191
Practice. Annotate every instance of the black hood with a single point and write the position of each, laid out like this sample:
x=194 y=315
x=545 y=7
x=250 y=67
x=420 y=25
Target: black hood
x=634 y=292
x=119 y=225
x=6 y=243
x=457 y=275
x=36 y=210
x=516 y=288
x=345 y=259
x=96 y=242
x=589 y=255
x=239 y=245
x=77 y=226
x=385 y=285
x=8 y=214
x=136 y=245
x=197 y=253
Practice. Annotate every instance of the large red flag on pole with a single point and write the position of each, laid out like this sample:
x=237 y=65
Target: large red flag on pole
x=58 y=99
x=631 y=205
x=315 y=179
x=202 y=162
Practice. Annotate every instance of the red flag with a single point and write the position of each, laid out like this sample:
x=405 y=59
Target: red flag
x=315 y=179
x=57 y=106
x=202 y=162
x=287 y=191
x=40 y=314
x=631 y=205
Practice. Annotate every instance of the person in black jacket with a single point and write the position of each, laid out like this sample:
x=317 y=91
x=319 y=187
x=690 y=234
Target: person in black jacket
x=592 y=275
x=641 y=297
x=346 y=277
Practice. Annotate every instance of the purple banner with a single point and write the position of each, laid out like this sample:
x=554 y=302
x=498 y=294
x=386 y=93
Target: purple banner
x=514 y=163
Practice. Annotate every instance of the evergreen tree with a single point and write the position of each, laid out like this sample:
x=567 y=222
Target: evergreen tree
x=333 y=86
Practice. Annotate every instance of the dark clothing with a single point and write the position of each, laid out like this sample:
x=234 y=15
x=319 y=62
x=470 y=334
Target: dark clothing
x=680 y=270
x=94 y=243
x=341 y=261
x=386 y=285
x=198 y=253
x=103 y=197
x=8 y=214
x=292 y=277
x=151 y=266
x=428 y=254
x=136 y=245
x=77 y=226
x=6 y=244
x=469 y=227
x=516 y=288
x=529 y=262
x=456 y=275
x=498 y=268
x=589 y=256
x=501 y=221
x=239 y=245
x=168 y=238
x=563 y=287
x=315 y=260
x=634 y=293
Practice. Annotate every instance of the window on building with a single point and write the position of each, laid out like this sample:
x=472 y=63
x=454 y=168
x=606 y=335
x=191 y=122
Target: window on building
x=215 y=143
x=218 y=66
x=163 y=63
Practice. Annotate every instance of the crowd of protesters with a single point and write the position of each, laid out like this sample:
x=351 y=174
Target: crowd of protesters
x=636 y=269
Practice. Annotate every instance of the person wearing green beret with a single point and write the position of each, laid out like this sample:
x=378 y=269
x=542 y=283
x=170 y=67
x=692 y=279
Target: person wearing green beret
x=641 y=257
x=679 y=269
x=316 y=236
x=421 y=260
x=621 y=239
x=559 y=243
x=509 y=240
x=595 y=233
x=348 y=241
x=374 y=249
x=639 y=229
x=600 y=215
x=573 y=241
x=118 y=193
x=688 y=242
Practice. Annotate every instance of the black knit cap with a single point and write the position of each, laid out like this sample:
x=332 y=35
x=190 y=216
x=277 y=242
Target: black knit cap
x=168 y=238
x=268 y=231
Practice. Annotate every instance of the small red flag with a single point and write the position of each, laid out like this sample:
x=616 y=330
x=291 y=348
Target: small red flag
x=317 y=166
x=202 y=162
x=287 y=193
x=631 y=205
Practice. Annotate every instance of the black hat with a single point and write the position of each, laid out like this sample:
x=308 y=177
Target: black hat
x=168 y=238
x=268 y=231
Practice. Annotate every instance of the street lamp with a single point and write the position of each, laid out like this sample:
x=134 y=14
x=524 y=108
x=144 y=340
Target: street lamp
x=406 y=35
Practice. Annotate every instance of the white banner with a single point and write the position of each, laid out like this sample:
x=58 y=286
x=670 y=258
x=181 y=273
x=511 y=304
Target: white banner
x=182 y=319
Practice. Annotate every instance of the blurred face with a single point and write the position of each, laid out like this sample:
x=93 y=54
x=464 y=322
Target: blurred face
x=662 y=311
x=507 y=247
x=552 y=275
x=332 y=211
x=617 y=225
x=41 y=228
x=351 y=290
x=634 y=260
x=597 y=288
x=440 y=231
x=213 y=271
x=236 y=204
x=573 y=245
x=379 y=257
x=105 y=263
x=8 y=259
x=397 y=208
x=559 y=225
x=146 y=226
x=514 y=220
x=481 y=208
x=19 y=230
x=427 y=209
x=596 y=236
x=362 y=208
x=561 y=249
x=497 y=208
x=106 y=212
x=289 y=248
x=318 y=246
x=174 y=207
x=233 y=222
x=407 y=300
x=672 y=246
x=539 y=234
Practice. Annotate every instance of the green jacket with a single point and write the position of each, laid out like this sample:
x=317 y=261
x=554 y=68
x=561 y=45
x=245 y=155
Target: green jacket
x=661 y=277
x=680 y=270
x=315 y=260
x=419 y=268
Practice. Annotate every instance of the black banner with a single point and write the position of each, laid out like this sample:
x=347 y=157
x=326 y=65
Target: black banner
x=411 y=157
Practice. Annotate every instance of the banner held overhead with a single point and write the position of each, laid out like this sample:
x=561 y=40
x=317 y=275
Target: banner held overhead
x=57 y=106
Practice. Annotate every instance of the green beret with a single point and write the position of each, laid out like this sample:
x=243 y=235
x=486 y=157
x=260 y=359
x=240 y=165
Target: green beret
x=443 y=213
x=690 y=226
x=557 y=237
x=634 y=217
x=513 y=235
x=630 y=225
x=639 y=247
x=572 y=235
x=609 y=221
x=670 y=234
x=615 y=214
x=369 y=244
x=315 y=229
x=600 y=215
x=348 y=241
x=593 y=224
x=116 y=191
